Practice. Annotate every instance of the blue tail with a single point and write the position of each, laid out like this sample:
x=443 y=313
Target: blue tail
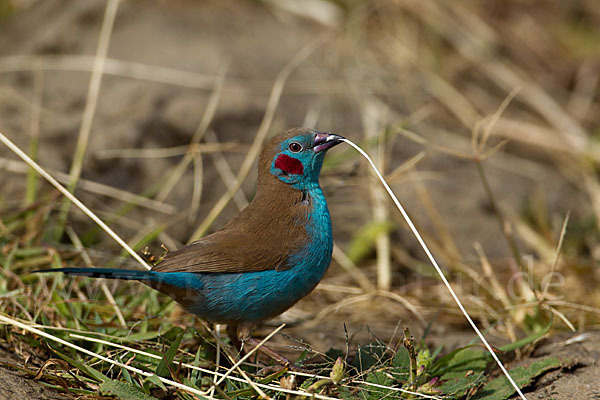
x=108 y=273
x=183 y=287
x=156 y=280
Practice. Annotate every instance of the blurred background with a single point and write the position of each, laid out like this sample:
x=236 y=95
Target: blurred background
x=483 y=115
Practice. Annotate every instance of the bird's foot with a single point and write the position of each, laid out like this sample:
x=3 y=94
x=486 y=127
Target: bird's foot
x=280 y=359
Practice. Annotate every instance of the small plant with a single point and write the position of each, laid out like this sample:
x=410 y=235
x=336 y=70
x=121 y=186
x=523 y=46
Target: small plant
x=412 y=370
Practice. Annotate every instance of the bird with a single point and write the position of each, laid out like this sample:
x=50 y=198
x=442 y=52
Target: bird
x=261 y=262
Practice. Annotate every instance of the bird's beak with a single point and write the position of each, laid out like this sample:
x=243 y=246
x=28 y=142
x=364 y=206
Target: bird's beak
x=324 y=141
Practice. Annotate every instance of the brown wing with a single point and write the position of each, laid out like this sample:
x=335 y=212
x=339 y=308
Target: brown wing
x=259 y=239
x=213 y=255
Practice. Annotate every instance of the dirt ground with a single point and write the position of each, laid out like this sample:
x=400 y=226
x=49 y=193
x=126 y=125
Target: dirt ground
x=19 y=385
x=160 y=108
x=578 y=379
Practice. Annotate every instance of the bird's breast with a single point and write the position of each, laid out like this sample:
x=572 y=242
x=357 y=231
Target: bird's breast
x=254 y=296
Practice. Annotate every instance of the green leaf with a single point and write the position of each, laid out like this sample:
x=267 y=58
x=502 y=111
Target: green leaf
x=123 y=390
x=135 y=337
x=369 y=355
x=529 y=339
x=466 y=361
x=172 y=334
x=444 y=363
x=500 y=388
x=124 y=371
x=89 y=371
x=460 y=385
x=163 y=366
x=462 y=370
x=156 y=381
x=374 y=392
x=333 y=353
x=196 y=373
x=424 y=359
x=402 y=358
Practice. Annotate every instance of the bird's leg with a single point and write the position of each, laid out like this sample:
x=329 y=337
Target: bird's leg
x=232 y=332
x=270 y=352
x=243 y=335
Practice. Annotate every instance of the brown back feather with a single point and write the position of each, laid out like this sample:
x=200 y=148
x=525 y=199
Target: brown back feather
x=261 y=237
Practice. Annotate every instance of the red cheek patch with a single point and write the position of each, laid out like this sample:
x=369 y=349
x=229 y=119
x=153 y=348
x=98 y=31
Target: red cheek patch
x=289 y=165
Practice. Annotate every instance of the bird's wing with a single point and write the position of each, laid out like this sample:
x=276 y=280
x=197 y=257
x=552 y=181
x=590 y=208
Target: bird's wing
x=227 y=252
x=260 y=238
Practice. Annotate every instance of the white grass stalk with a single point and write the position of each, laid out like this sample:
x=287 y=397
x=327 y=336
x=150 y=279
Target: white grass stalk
x=420 y=395
x=210 y=372
x=437 y=267
x=72 y=198
x=28 y=328
x=248 y=354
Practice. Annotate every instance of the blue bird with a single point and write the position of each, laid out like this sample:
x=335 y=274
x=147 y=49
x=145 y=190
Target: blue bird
x=263 y=261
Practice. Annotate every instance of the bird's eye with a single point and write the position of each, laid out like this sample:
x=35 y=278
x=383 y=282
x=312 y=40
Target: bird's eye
x=295 y=147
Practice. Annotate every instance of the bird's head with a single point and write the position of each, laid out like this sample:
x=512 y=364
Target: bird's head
x=295 y=156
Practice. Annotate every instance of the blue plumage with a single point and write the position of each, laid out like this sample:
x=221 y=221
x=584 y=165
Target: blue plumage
x=266 y=259
x=260 y=295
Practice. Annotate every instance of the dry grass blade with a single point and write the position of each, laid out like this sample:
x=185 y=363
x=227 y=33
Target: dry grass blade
x=373 y=120
x=120 y=68
x=261 y=134
x=95 y=187
x=408 y=305
x=563 y=231
x=410 y=392
x=248 y=354
x=488 y=271
x=88 y=261
x=348 y=301
x=72 y=198
x=90 y=105
x=38 y=332
x=438 y=269
x=363 y=281
x=204 y=370
x=481 y=137
x=207 y=117
x=448 y=244
x=225 y=172
x=473 y=38
x=406 y=166
x=105 y=154
x=34 y=133
x=198 y=183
